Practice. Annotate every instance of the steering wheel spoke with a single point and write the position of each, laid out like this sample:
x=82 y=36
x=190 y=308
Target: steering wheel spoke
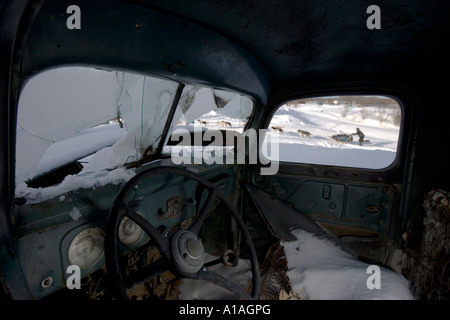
x=195 y=227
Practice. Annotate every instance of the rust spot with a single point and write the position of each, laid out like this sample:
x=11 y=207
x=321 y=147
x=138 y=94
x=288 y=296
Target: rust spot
x=372 y=209
x=174 y=207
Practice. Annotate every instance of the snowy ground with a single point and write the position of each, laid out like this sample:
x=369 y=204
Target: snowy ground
x=322 y=122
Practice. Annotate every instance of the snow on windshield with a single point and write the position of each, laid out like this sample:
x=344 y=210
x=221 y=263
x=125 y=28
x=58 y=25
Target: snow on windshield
x=104 y=119
x=67 y=114
x=59 y=104
x=59 y=108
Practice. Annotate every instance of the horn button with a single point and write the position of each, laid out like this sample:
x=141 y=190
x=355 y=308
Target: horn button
x=188 y=251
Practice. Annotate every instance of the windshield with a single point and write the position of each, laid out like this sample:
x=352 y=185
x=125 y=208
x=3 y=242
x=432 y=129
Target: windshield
x=83 y=121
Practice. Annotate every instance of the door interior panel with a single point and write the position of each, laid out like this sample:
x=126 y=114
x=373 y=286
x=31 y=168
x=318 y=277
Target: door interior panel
x=353 y=211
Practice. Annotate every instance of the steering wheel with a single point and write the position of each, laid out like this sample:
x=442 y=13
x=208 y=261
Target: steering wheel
x=182 y=250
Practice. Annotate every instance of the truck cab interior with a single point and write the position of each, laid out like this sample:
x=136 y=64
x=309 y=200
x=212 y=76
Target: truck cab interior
x=145 y=143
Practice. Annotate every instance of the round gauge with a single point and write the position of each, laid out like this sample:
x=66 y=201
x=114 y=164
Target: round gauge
x=86 y=248
x=129 y=232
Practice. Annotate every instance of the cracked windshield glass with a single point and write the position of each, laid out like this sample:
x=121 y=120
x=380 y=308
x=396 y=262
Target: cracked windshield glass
x=89 y=122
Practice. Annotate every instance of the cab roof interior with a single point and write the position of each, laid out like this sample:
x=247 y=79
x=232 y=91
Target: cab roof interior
x=298 y=43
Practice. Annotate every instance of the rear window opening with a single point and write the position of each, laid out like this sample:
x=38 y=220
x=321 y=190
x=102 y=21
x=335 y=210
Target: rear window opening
x=358 y=131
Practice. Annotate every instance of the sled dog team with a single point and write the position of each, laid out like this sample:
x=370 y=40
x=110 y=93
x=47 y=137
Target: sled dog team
x=302 y=133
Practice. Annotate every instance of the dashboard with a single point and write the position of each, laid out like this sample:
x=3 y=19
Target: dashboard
x=69 y=230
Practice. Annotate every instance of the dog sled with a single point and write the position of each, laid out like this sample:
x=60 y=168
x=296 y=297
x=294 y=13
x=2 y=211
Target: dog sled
x=345 y=138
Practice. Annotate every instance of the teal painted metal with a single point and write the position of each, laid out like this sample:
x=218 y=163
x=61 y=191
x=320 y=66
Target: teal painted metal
x=144 y=40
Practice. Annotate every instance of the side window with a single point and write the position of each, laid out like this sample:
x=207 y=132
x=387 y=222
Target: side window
x=205 y=124
x=212 y=109
x=347 y=131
